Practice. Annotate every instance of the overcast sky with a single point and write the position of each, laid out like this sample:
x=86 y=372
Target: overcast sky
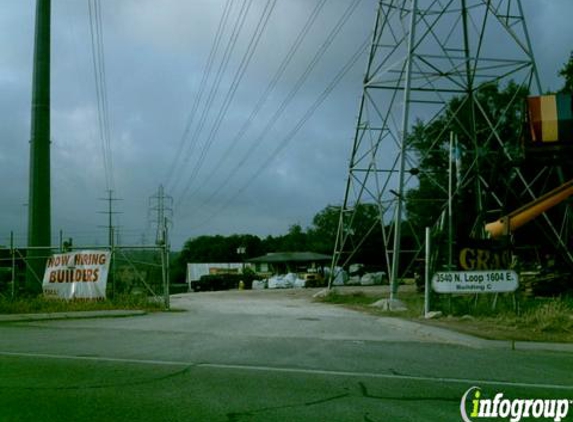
x=231 y=173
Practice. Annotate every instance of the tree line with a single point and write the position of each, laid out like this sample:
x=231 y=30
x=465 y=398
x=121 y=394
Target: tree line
x=319 y=237
x=496 y=169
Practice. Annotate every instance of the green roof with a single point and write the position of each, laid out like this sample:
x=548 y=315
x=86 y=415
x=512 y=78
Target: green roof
x=291 y=257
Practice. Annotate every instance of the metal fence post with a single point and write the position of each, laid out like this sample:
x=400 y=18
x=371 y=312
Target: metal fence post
x=165 y=269
x=113 y=259
x=427 y=275
x=13 y=254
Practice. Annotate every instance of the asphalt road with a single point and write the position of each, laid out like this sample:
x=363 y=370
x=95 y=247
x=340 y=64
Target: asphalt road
x=258 y=356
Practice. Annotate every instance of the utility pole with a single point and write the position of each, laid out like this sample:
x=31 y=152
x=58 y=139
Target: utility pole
x=161 y=213
x=415 y=69
x=39 y=218
x=162 y=205
x=111 y=229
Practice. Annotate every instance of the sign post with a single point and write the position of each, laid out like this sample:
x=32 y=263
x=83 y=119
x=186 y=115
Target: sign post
x=427 y=275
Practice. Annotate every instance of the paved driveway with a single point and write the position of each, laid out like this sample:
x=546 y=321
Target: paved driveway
x=257 y=356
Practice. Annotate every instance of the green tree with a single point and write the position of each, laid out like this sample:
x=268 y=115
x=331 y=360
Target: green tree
x=566 y=73
x=295 y=240
x=364 y=240
x=481 y=154
x=322 y=233
x=494 y=155
x=221 y=248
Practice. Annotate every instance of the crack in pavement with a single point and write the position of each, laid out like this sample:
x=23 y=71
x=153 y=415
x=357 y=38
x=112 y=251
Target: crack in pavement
x=363 y=392
x=366 y=394
x=236 y=416
x=102 y=385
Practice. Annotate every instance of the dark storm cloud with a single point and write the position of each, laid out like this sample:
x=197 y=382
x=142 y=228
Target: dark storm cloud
x=155 y=56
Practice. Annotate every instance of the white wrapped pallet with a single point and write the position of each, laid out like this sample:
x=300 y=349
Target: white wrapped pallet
x=259 y=285
x=340 y=278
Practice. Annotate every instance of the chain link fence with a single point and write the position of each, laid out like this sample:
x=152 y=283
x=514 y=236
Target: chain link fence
x=134 y=270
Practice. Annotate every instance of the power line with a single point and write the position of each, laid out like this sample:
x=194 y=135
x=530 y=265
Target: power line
x=269 y=89
x=288 y=99
x=202 y=85
x=247 y=56
x=218 y=77
x=98 y=60
x=291 y=134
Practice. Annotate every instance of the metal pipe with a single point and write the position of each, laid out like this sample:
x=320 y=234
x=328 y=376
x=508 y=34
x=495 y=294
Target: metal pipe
x=528 y=212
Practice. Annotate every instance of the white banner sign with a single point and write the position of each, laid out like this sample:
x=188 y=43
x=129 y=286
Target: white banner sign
x=497 y=281
x=77 y=275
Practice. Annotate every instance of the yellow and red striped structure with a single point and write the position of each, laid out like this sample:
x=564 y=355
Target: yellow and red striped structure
x=551 y=119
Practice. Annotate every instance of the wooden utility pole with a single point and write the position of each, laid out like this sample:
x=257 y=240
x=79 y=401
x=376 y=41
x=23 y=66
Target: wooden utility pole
x=111 y=228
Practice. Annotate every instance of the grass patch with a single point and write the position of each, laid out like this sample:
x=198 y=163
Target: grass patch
x=551 y=317
x=537 y=319
x=512 y=318
x=362 y=301
x=352 y=298
x=505 y=328
x=40 y=304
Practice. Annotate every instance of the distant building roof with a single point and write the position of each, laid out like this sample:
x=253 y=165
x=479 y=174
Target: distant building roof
x=291 y=257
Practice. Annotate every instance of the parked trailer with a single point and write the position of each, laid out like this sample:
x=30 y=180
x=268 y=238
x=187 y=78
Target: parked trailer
x=197 y=270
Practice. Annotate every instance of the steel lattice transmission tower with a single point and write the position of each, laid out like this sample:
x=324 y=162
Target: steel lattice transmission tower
x=423 y=54
x=161 y=214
